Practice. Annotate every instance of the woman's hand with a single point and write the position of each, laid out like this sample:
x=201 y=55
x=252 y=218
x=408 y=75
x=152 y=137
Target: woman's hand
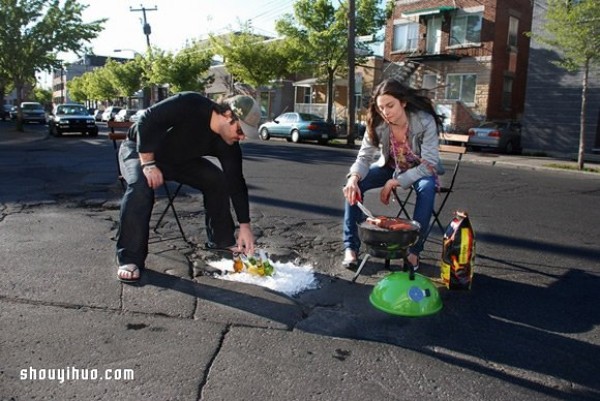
x=386 y=191
x=351 y=190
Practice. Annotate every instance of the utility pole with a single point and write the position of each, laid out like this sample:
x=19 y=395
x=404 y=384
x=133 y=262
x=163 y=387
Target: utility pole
x=148 y=97
x=351 y=73
x=147 y=29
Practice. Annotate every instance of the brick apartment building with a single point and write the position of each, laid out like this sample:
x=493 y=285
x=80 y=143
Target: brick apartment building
x=472 y=55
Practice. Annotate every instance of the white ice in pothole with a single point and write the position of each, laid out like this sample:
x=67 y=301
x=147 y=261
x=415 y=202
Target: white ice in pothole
x=288 y=278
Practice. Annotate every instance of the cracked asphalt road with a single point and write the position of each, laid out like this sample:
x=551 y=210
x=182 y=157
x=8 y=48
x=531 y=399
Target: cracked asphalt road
x=527 y=330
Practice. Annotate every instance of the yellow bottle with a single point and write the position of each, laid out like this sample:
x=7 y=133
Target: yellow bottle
x=252 y=266
x=260 y=267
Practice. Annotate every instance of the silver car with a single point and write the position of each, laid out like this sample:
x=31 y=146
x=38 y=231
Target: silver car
x=33 y=111
x=504 y=136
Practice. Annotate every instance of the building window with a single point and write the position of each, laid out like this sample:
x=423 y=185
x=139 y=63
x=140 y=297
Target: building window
x=461 y=87
x=306 y=95
x=513 y=30
x=466 y=28
x=507 y=86
x=429 y=81
x=406 y=37
x=434 y=34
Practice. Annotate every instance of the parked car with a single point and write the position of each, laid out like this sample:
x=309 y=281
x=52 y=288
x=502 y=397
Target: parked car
x=134 y=118
x=125 y=114
x=298 y=127
x=110 y=113
x=71 y=117
x=98 y=115
x=33 y=111
x=504 y=136
x=6 y=111
x=342 y=129
x=14 y=112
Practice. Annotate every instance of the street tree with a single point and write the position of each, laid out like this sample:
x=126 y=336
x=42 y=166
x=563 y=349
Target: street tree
x=573 y=27
x=100 y=85
x=5 y=84
x=78 y=88
x=34 y=32
x=319 y=31
x=43 y=96
x=126 y=77
x=254 y=59
x=185 y=70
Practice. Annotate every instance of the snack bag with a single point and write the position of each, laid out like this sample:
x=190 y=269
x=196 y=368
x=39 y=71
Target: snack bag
x=458 y=253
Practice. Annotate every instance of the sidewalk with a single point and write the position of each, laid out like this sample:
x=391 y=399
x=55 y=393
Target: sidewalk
x=531 y=162
x=9 y=135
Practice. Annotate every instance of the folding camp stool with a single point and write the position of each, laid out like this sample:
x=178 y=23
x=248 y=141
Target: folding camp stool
x=120 y=136
x=171 y=196
x=453 y=146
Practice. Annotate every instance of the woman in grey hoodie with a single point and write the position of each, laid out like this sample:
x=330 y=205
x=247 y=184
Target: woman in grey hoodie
x=399 y=149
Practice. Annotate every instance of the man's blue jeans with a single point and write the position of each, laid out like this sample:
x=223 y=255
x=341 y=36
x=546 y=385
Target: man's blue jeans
x=376 y=178
x=138 y=201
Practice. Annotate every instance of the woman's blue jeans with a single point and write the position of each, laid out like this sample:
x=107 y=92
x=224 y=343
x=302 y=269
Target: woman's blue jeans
x=376 y=178
x=138 y=201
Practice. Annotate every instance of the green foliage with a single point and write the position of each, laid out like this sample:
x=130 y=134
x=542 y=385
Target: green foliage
x=574 y=28
x=43 y=96
x=33 y=32
x=77 y=88
x=252 y=59
x=319 y=32
x=125 y=77
x=183 y=71
x=100 y=84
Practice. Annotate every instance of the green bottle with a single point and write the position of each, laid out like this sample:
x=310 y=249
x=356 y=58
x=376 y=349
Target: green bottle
x=267 y=266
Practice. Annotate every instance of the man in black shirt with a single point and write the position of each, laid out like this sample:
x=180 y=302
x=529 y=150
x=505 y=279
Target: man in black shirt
x=169 y=142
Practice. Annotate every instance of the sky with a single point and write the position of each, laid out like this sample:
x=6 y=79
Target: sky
x=176 y=21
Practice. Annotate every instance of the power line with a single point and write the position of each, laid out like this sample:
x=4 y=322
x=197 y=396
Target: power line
x=267 y=13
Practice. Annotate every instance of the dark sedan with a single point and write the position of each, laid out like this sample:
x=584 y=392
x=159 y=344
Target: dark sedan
x=71 y=118
x=297 y=127
x=5 y=112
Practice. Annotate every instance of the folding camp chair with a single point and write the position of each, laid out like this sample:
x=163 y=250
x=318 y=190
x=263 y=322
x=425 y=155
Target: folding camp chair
x=453 y=146
x=171 y=196
x=119 y=136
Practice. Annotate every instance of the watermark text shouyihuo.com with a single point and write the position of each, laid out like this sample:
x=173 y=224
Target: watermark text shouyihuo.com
x=73 y=374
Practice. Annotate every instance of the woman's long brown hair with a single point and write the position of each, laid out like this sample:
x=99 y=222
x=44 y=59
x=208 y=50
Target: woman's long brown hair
x=415 y=101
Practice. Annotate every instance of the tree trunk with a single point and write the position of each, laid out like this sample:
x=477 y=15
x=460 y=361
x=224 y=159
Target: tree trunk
x=19 y=90
x=330 y=93
x=350 y=131
x=581 y=153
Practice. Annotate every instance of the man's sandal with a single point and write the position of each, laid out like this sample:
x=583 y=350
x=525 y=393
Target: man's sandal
x=128 y=273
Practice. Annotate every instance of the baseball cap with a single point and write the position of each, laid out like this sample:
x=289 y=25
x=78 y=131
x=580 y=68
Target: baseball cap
x=247 y=110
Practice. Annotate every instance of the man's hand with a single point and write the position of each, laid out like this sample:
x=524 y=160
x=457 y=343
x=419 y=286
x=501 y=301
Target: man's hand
x=153 y=176
x=245 y=240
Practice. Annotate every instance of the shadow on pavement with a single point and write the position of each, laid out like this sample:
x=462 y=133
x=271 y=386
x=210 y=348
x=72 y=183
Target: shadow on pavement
x=498 y=322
